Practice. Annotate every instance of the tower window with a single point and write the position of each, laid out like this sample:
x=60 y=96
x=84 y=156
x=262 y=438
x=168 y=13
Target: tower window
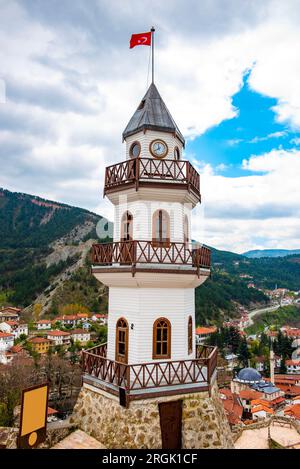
x=186 y=237
x=190 y=335
x=162 y=338
x=122 y=341
x=135 y=150
x=176 y=153
x=141 y=106
x=161 y=228
x=126 y=226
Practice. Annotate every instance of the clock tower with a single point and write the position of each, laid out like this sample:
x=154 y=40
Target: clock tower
x=151 y=386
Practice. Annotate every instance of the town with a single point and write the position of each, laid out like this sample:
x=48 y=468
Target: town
x=258 y=374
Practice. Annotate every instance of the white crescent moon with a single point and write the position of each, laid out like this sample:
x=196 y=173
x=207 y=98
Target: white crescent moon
x=143 y=39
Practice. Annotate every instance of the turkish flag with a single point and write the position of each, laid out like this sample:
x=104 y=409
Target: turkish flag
x=141 y=39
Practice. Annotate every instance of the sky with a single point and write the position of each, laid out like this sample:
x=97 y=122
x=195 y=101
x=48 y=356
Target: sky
x=228 y=70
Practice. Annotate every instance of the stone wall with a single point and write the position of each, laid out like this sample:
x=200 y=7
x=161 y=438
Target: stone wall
x=8 y=436
x=204 y=424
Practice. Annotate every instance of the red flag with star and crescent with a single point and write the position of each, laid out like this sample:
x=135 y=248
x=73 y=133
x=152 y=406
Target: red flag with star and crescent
x=141 y=39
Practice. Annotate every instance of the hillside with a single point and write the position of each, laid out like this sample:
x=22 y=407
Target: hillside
x=44 y=258
x=257 y=253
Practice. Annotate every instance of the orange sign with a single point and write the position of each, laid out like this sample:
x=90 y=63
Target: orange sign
x=33 y=419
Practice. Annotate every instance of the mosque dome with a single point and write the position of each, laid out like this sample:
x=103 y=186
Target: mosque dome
x=249 y=375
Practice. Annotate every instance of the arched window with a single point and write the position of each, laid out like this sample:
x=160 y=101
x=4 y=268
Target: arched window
x=162 y=338
x=186 y=236
x=190 y=335
x=126 y=226
x=122 y=340
x=160 y=228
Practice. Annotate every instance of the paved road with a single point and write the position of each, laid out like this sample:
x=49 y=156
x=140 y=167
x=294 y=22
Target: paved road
x=257 y=312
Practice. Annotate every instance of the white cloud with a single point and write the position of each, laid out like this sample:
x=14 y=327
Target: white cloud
x=72 y=84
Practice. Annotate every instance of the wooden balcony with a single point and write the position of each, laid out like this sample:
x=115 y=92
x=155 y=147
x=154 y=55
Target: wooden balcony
x=148 y=379
x=144 y=171
x=133 y=253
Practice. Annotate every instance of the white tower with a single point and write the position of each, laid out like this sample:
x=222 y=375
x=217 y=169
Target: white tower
x=154 y=268
x=151 y=364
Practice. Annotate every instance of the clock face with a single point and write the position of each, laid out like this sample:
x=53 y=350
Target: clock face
x=159 y=148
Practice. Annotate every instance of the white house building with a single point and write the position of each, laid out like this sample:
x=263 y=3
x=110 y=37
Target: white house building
x=43 y=324
x=293 y=366
x=59 y=337
x=15 y=328
x=80 y=335
x=6 y=340
x=102 y=318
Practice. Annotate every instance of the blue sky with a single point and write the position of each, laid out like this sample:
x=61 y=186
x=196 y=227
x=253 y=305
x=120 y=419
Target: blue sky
x=254 y=131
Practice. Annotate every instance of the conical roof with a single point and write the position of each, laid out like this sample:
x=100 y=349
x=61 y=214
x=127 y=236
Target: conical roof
x=153 y=114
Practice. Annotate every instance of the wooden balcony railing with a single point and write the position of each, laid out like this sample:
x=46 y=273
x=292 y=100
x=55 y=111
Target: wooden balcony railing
x=138 y=170
x=151 y=375
x=147 y=252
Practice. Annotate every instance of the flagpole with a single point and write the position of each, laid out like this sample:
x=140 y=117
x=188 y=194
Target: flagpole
x=152 y=48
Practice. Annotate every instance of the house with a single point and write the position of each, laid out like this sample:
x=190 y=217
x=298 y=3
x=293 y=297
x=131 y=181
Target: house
x=293 y=366
x=43 y=324
x=68 y=320
x=293 y=411
x=102 y=318
x=248 y=395
x=261 y=412
x=202 y=333
x=80 y=335
x=232 y=360
x=86 y=326
x=82 y=317
x=40 y=344
x=260 y=363
x=232 y=406
x=59 y=337
x=10 y=314
x=6 y=340
x=14 y=327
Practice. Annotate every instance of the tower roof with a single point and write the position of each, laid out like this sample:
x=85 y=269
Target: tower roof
x=152 y=114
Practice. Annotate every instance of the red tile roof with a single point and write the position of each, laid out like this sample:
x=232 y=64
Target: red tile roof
x=44 y=321
x=51 y=411
x=17 y=349
x=78 y=331
x=58 y=333
x=232 y=407
x=206 y=330
x=293 y=411
x=250 y=394
x=4 y=335
x=38 y=340
x=262 y=408
x=292 y=362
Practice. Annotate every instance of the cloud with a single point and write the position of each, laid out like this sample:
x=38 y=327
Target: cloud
x=279 y=134
x=72 y=84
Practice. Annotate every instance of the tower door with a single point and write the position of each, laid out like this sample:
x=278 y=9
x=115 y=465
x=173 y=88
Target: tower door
x=122 y=341
x=170 y=423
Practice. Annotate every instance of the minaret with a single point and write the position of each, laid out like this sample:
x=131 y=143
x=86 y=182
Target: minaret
x=142 y=382
x=272 y=363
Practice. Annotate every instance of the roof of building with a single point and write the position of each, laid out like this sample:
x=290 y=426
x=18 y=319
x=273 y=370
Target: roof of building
x=58 y=333
x=292 y=362
x=233 y=409
x=296 y=398
x=44 y=321
x=206 y=330
x=100 y=315
x=38 y=340
x=293 y=411
x=249 y=394
x=16 y=348
x=51 y=411
x=78 y=331
x=152 y=114
x=4 y=335
x=248 y=375
x=82 y=315
x=261 y=408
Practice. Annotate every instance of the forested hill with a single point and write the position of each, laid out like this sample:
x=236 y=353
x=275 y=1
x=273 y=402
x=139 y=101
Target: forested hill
x=44 y=248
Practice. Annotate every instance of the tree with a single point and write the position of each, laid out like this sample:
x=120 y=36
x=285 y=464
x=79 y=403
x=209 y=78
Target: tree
x=37 y=309
x=73 y=308
x=243 y=353
x=283 y=368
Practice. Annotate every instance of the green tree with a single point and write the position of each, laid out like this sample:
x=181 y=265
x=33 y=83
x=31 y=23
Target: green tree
x=243 y=353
